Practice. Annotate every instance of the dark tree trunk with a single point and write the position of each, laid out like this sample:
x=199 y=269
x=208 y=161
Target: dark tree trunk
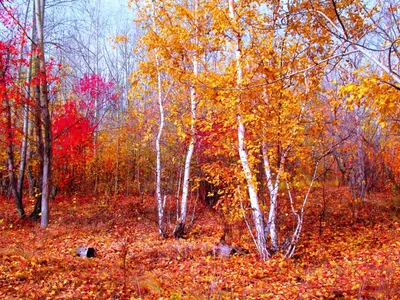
x=209 y=193
x=10 y=143
x=179 y=230
x=35 y=214
x=36 y=180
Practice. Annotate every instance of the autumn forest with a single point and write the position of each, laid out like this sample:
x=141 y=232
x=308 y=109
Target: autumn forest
x=199 y=149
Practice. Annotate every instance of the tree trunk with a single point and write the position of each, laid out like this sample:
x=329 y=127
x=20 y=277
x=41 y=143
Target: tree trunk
x=273 y=189
x=10 y=144
x=160 y=204
x=35 y=180
x=25 y=127
x=45 y=116
x=270 y=229
x=291 y=244
x=180 y=227
x=258 y=219
x=11 y=165
x=24 y=146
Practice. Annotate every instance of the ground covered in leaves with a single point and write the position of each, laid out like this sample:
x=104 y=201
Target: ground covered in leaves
x=347 y=251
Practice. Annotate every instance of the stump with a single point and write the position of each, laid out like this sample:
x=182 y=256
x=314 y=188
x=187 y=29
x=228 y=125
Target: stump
x=222 y=249
x=179 y=230
x=86 y=252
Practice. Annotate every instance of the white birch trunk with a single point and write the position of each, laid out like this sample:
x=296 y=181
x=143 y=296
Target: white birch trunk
x=270 y=229
x=258 y=220
x=45 y=117
x=189 y=154
x=24 y=145
x=160 y=204
x=180 y=227
x=25 y=128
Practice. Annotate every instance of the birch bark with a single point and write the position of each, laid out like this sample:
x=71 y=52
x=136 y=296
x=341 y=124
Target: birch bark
x=257 y=214
x=45 y=116
x=160 y=204
x=25 y=127
x=273 y=187
x=180 y=227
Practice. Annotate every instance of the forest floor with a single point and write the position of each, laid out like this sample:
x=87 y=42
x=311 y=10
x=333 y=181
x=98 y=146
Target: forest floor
x=351 y=251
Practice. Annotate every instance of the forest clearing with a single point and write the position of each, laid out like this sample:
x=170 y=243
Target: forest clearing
x=345 y=258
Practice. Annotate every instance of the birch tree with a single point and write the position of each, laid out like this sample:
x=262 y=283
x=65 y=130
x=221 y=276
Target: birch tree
x=44 y=113
x=176 y=45
x=260 y=67
x=258 y=218
x=160 y=202
x=180 y=226
x=276 y=79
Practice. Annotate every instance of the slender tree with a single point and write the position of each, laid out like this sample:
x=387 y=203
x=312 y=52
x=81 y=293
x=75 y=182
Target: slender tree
x=180 y=227
x=6 y=90
x=257 y=214
x=45 y=121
